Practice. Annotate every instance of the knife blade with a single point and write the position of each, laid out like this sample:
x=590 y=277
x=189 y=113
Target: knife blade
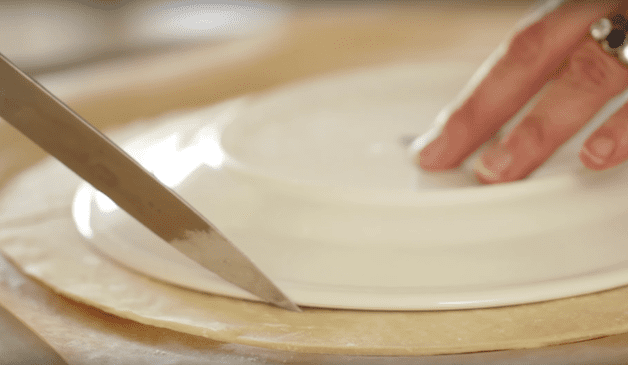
x=52 y=125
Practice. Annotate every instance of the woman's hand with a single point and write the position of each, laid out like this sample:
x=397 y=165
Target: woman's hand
x=584 y=77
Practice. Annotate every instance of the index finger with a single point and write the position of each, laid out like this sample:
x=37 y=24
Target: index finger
x=534 y=56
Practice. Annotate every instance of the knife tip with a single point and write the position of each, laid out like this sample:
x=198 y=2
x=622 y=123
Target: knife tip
x=285 y=303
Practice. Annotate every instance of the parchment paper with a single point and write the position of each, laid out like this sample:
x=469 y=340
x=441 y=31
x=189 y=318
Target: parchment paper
x=84 y=335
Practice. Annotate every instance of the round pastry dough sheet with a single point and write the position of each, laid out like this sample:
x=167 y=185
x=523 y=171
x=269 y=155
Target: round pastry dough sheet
x=38 y=235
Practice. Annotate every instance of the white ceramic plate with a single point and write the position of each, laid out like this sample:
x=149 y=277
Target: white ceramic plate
x=313 y=183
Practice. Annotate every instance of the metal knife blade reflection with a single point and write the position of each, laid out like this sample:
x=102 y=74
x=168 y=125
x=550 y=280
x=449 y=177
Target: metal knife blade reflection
x=65 y=135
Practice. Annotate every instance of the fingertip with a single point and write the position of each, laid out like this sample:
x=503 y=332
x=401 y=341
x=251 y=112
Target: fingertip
x=430 y=158
x=483 y=175
x=423 y=146
x=589 y=161
x=596 y=153
x=494 y=164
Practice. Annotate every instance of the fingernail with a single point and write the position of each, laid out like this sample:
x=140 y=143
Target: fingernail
x=493 y=164
x=599 y=149
x=432 y=153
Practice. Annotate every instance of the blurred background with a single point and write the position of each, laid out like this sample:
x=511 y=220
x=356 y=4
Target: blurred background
x=47 y=36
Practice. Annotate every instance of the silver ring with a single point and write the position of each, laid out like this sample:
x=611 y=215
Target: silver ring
x=610 y=33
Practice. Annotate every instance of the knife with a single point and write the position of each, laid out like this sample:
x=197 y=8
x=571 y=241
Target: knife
x=52 y=125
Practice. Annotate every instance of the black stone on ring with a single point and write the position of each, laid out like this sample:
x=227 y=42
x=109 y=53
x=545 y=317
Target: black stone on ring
x=615 y=38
